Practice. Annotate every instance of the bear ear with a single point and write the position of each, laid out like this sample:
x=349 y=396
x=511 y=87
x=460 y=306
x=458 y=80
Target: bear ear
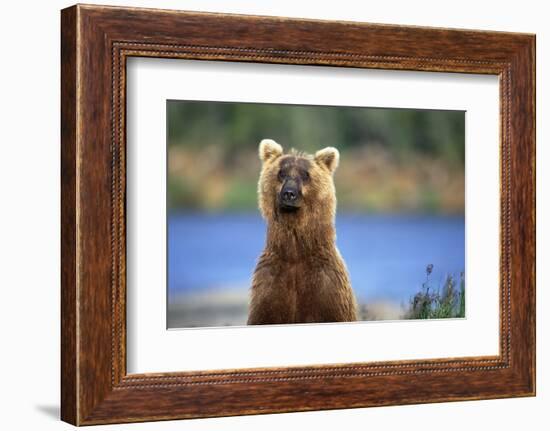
x=269 y=149
x=328 y=157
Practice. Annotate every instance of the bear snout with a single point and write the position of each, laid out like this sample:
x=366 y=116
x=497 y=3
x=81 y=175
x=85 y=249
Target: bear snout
x=290 y=195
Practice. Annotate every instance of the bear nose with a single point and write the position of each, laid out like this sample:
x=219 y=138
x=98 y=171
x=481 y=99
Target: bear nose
x=289 y=195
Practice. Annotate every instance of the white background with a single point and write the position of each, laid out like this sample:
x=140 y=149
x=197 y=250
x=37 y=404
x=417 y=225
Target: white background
x=29 y=216
x=151 y=348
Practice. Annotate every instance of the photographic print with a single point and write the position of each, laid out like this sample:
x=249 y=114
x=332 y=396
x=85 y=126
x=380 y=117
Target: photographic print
x=291 y=214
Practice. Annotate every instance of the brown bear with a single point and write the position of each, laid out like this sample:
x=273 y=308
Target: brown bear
x=300 y=277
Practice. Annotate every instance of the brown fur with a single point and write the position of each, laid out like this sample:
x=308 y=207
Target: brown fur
x=300 y=276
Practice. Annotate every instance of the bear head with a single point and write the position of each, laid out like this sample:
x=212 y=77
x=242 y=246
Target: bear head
x=297 y=188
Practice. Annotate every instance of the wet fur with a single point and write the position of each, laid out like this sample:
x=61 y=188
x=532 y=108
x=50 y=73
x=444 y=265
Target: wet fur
x=300 y=277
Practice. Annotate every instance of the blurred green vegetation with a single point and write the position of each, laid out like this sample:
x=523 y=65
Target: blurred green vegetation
x=392 y=160
x=442 y=302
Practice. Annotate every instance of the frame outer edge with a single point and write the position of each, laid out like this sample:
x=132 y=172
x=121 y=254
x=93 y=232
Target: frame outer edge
x=533 y=54
x=532 y=101
x=69 y=201
x=530 y=63
x=524 y=214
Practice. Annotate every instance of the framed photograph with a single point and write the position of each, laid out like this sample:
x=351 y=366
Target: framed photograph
x=264 y=214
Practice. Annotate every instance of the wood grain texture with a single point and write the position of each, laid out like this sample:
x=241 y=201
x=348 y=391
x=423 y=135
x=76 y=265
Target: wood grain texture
x=69 y=331
x=96 y=42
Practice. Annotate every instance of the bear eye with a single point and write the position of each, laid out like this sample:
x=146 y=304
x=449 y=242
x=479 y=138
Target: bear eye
x=281 y=175
x=305 y=175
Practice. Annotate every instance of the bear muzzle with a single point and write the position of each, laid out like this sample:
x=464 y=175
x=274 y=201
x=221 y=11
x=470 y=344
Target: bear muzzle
x=290 y=198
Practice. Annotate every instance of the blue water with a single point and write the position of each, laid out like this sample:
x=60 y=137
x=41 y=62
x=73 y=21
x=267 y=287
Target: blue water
x=386 y=255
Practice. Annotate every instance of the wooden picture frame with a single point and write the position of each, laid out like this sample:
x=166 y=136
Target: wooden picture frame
x=95 y=43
